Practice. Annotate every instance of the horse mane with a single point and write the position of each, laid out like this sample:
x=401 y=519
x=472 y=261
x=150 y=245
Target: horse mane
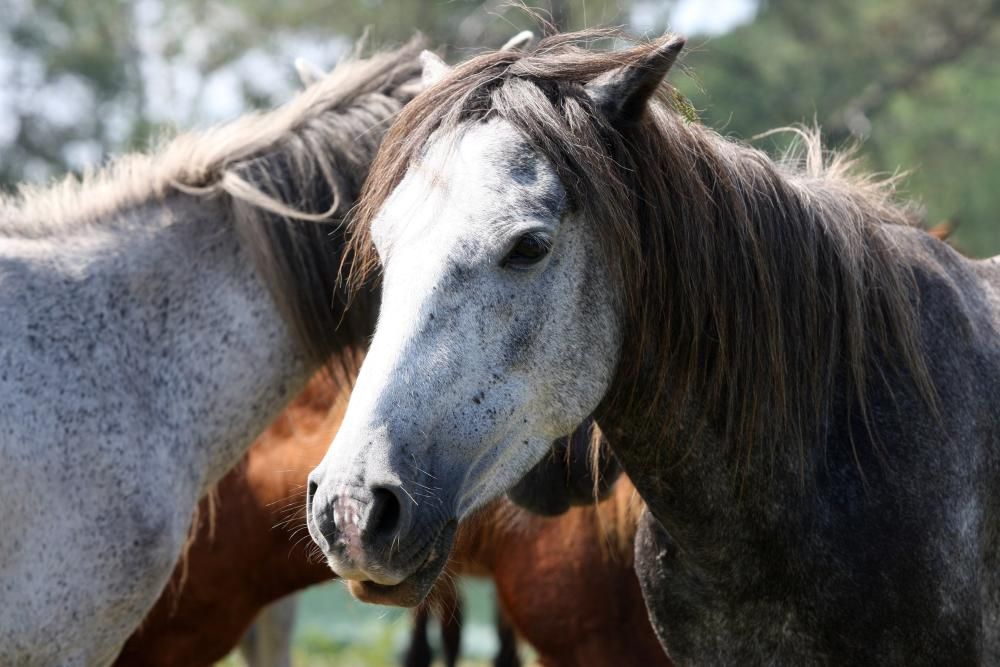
x=288 y=177
x=754 y=293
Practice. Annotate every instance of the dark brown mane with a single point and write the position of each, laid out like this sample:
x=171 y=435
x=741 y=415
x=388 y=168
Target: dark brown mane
x=290 y=200
x=751 y=289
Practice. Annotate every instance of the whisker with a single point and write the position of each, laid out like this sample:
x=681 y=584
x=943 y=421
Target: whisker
x=408 y=494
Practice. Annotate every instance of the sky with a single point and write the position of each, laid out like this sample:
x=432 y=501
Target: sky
x=693 y=18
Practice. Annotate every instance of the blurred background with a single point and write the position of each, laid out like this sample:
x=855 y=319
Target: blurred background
x=916 y=82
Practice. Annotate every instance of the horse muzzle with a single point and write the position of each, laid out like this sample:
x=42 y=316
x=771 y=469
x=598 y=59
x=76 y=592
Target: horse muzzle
x=376 y=536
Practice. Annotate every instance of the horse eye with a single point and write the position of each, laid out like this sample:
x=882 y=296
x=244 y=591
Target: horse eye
x=529 y=250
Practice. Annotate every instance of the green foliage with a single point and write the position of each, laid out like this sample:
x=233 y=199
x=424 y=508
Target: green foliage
x=916 y=81
x=132 y=59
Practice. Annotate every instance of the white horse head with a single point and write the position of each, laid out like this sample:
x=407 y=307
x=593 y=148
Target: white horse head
x=500 y=325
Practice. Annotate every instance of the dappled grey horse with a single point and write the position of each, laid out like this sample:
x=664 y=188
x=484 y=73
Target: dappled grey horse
x=803 y=386
x=142 y=351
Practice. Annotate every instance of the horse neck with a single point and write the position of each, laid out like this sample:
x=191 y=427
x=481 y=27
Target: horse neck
x=204 y=339
x=779 y=290
x=236 y=357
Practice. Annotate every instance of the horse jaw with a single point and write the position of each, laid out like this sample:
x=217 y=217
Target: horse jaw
x=475 y=368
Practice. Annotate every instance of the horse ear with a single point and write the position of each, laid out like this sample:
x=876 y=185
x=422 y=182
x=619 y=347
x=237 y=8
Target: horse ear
x=521 y=40
x=308 y=72
x=435 y=69
x=622 y=94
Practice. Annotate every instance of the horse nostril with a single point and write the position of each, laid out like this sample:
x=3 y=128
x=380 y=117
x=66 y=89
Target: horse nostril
x=383 y=519
x=311 y=492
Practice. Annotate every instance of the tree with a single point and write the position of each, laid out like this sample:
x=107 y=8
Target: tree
x=916 y=81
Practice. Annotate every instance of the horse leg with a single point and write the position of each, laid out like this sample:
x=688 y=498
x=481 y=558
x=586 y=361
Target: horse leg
x=418 y=653
x=507 y=655
x=450 y=615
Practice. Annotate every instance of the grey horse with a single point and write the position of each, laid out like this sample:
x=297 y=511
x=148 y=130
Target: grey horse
x=155 y=317
x=803 y=385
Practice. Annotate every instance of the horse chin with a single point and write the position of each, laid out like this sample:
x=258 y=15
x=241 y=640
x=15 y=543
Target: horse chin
x=412 y=590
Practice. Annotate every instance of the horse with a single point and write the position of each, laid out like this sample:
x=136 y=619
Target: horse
x=245 y=552
x=250 y=549
x=800 y=382
x=450 y=612
x=577 y=471
x=566 y=583
x=268 y=642
x=156 y=316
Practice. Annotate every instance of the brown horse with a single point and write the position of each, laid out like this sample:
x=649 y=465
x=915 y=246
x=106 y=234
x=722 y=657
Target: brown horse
x=566 y=583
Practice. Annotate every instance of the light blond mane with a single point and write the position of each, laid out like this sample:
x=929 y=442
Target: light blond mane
x=285 y=179
x=207 y=162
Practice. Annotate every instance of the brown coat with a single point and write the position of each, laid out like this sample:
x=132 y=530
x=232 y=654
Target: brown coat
x=566 y=583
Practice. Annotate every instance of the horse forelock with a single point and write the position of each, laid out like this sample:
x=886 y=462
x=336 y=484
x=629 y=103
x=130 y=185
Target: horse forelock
x=750 y=288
